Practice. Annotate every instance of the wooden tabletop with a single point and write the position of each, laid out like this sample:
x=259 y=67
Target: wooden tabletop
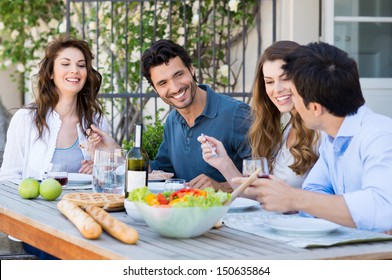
x=39 y=223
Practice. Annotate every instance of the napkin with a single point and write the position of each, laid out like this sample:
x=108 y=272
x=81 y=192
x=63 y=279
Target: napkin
x=254 y=223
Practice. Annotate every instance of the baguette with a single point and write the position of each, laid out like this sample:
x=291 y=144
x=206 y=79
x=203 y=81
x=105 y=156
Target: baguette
x=114 y=227
x=83 y=222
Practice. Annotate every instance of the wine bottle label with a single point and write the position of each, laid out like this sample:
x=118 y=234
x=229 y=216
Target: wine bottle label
x=136 y=179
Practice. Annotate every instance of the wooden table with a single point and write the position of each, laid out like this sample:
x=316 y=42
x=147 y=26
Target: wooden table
x=39 y=223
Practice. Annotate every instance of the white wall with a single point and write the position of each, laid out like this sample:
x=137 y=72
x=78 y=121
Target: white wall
x=298 y=20
x=9 y=93
x=251 y=57
x=378 y=95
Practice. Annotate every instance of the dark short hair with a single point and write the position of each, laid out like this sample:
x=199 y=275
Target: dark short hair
x=325 y=74
x=161 y=52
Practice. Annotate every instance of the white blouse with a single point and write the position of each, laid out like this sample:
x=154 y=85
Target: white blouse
x=27 y=156
x=282 y=162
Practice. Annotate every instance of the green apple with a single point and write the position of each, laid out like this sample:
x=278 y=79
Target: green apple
x=50 y=189
x=28 y=188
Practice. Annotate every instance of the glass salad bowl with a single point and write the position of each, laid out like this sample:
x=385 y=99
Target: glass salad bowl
x=184 y=213
x=182 y=222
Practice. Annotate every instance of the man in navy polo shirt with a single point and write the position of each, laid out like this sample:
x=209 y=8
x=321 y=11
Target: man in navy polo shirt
x=168 y=68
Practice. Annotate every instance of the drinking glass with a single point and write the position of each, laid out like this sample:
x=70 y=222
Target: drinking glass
x=250 y=165
x=172 y=185
x=109 y=171
x=59 y=173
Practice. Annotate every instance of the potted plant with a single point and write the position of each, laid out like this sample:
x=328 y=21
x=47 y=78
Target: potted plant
x=151 y=139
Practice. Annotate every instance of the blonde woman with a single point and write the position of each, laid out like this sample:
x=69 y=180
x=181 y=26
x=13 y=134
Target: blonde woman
x=290 y=147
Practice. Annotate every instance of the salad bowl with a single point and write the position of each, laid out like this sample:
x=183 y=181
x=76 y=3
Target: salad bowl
x=133 y=211
x=185 y=213
x=181 y=222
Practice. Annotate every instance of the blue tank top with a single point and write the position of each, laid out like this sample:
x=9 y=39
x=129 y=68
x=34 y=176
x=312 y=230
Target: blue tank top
x=72 y=156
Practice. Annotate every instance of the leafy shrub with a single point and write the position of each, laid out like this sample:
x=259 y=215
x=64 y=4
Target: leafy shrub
x=151 y=139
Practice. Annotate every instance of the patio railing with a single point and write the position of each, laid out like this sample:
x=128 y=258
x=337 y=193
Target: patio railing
x=215 y=34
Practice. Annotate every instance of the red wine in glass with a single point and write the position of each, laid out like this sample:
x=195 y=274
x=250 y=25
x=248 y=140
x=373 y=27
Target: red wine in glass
x=62 y=180
x=250 y=165
x=59 y=173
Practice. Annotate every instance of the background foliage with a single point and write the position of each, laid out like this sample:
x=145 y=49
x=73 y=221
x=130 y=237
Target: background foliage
x=25 y=29
x=118 y=32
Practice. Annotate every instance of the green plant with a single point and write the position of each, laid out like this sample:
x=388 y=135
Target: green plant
x=151 y=139
x=25 y=29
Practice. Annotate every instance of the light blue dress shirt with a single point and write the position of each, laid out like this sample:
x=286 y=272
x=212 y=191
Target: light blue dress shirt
x=357 y=164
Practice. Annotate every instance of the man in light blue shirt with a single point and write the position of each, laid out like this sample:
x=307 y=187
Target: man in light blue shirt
x=349 y=184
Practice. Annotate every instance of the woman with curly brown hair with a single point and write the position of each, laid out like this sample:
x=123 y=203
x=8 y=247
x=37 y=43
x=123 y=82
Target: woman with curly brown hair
x=290 y=147
x=51 y=129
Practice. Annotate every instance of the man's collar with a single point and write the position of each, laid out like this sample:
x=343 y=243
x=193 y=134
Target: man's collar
x=349 y=127
x=211 y=108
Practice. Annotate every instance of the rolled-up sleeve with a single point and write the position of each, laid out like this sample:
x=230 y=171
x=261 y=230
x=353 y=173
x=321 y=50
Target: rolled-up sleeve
x=371 y=205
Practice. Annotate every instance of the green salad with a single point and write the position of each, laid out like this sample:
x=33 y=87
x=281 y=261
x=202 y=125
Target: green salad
x=185 y=197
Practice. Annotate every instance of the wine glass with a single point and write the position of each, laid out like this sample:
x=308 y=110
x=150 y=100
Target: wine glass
x=59 y=173
x=250 y=165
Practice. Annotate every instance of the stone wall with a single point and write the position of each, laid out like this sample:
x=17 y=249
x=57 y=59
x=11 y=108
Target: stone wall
x=5 y=118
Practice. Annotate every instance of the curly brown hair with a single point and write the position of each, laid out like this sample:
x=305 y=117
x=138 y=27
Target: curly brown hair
x=87 y=104
x=265 y=133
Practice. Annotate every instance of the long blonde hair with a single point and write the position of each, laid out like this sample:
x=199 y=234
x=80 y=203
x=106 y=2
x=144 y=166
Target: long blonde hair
x=265 y=134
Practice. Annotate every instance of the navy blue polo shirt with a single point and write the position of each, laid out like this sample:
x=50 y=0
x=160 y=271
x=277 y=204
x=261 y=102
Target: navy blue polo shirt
x=224 y=118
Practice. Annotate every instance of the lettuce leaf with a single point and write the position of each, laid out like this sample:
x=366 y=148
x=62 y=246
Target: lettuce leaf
x=139 y=194
x=212 y=199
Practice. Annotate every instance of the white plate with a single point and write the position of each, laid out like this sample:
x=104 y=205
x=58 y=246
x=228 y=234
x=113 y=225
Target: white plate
x=159 y=176
x=299 y=226
x=77 y=187
x=79 y=179
x=156 y=187
x=243 y=203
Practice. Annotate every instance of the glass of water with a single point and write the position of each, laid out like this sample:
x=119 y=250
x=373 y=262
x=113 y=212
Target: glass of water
x=109 y=171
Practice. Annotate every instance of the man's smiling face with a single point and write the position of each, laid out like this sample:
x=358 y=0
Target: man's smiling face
x=174 y=83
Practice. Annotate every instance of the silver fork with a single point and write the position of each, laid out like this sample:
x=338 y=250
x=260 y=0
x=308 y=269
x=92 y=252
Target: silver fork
x=213 y=152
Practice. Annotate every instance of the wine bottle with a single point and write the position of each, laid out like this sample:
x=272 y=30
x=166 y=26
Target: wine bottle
x=137 y=164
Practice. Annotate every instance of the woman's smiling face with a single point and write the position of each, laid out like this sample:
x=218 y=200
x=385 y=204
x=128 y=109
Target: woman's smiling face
x=277 y=86
x=69 y=71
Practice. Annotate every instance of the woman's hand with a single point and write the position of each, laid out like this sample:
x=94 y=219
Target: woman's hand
x=218 y=147
x=98 y=139
x=87 y=167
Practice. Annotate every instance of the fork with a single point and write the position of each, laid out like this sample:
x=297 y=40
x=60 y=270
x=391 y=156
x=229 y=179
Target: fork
x=213 y=152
